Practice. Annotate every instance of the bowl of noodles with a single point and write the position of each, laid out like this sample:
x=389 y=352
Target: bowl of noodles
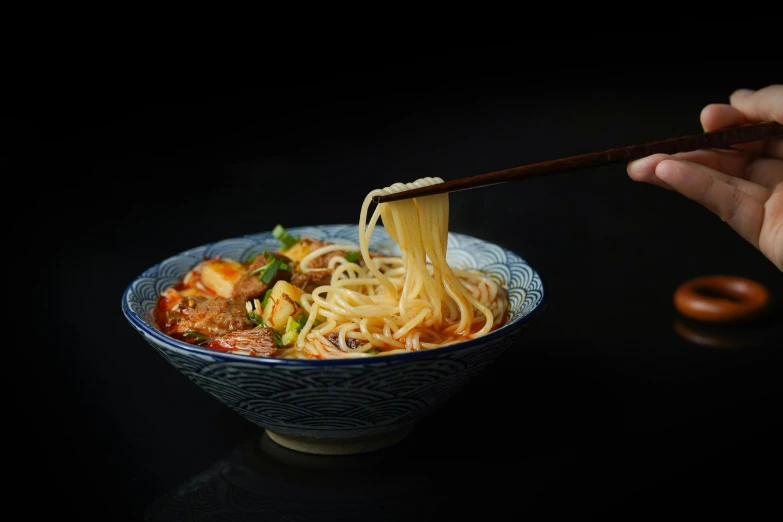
x=337 y=339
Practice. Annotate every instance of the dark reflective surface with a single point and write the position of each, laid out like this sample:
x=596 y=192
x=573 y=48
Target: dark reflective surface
x=261 y=479
x=604 y=437
x=610 y=406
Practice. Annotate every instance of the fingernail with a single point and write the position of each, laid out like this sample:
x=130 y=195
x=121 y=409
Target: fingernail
x=743 y=92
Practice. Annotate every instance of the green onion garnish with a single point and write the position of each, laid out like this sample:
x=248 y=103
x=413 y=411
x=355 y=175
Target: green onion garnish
x=266 y=298
x=301 y=321
x=282 y=234
x=254 y=318
x=352 y=257
x=372 y=351
x=270 y=272
x=199 y=338
x=250 y=260
x=258 y=270
x=276 y=336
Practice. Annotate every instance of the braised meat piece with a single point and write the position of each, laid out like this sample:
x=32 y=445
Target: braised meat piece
x=334 y=338
x=309 y=281
x=250 y=285
x=258 y=341
x=321 y=261
x=209 y=316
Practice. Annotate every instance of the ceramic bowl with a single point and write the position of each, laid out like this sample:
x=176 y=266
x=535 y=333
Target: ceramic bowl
x=347 y=405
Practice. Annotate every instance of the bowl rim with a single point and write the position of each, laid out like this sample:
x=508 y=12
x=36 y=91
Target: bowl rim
x=144 y=327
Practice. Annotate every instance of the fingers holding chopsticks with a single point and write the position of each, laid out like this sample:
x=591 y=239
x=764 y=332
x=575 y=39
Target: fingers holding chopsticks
x=765 y=104
x=743 y=187
x=728 y=166
x=656 y=170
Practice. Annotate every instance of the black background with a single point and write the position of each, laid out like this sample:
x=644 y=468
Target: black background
x=601 y=410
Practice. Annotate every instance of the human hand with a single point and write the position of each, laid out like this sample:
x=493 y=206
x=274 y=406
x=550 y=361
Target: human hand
x=744 y=187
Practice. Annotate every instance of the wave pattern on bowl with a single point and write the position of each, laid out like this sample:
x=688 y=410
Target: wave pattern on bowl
x=338 y=401
x=338 y=398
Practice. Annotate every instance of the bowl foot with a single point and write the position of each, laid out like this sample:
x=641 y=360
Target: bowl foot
x=318 y=446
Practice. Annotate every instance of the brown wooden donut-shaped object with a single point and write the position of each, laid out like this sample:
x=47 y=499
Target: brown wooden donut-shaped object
x=721 y=299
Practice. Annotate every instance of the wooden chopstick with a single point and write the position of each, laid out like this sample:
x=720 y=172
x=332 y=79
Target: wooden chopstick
x=720 y=139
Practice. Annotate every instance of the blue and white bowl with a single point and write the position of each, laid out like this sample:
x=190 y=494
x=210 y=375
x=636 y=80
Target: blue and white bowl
x=345 y=405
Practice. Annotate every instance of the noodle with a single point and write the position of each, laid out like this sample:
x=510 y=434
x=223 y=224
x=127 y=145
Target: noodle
x=396 y=304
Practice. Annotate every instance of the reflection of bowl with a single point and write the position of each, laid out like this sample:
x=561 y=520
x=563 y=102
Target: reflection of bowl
x=260 y=480
x=346 y=405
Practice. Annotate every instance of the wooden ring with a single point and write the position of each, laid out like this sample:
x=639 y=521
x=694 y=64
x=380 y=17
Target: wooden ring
x=721 y=299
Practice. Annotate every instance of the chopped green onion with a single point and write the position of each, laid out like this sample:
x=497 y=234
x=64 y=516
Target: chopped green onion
x=250 y=259
x=292 y=325
x=288 y=338
x=270 y=272
x=198 y=337
x=276 y=336
x=282 y=234
x=266 y=298
x=259 y=269
x=254 y=318
x=265 y=255
x=352 y=257
x=292 y=329
x=302 y=321
x=372 y=351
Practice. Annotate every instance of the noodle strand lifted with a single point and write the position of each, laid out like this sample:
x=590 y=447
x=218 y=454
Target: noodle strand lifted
x=395 y=304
